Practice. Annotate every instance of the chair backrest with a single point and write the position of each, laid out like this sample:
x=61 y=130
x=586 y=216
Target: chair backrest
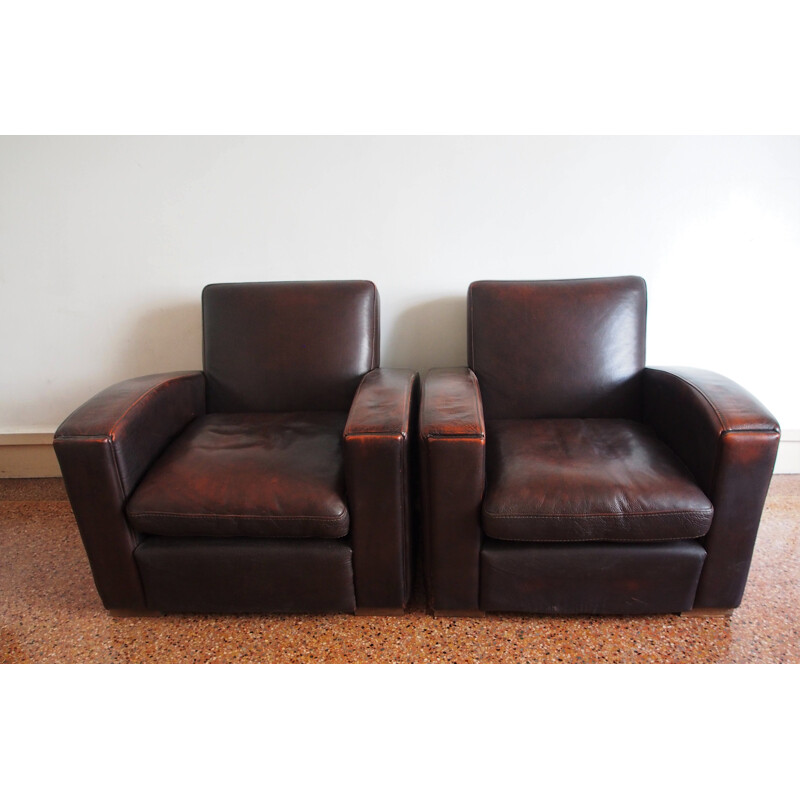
x=291 y=346
x=571 y=348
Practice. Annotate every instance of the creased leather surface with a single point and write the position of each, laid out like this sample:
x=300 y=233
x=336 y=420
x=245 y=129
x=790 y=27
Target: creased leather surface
x=572 y=348
x=582 y=480
x=293 y=346
x=261 y=475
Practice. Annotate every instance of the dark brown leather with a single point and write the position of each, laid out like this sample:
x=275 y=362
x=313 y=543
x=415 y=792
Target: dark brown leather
x=567 y=358
x=139 y=417
x=562 y=480
x=746 y=461
x=259 y=475
x=378 y=467
x=730 y=442
x=91 y=476
x=452 y=404
x=572 y=348
x=237 y=576
x=453 y=435
x=590 y=578
x=102 y=449
x=224 y=512
x=295 y=346
x=690 y=409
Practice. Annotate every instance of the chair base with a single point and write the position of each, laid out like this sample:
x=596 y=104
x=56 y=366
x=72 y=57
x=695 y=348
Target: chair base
x=590 y=578
x=707 y=612
x=379 y=612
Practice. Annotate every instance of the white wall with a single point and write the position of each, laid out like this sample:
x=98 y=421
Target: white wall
x=105 y=244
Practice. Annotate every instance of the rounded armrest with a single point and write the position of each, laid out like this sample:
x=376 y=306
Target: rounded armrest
x=382 y=404
x=451 y=404
x=691 y=409
x=453 y=434
x=729 y=441
x=378 y=470
x=138 y=417
x=104 y=448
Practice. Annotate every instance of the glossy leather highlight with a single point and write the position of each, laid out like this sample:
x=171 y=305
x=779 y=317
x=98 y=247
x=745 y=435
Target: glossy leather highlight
x=558 y=348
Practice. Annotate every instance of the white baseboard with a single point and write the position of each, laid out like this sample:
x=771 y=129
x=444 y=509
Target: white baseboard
x=788 y=453
x=28 y=455
x=31 y=455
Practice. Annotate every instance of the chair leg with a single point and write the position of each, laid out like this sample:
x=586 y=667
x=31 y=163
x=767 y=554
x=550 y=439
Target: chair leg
x=707 y=612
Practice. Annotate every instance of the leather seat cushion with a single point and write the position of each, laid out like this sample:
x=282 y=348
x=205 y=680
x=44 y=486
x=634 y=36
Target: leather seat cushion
x=563 y=480
x=258 y=475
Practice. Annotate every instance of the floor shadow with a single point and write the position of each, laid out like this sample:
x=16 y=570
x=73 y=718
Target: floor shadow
x=430 y=334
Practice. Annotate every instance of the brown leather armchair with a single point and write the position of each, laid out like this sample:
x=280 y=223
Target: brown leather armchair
x=561 y=475
x=275 y=480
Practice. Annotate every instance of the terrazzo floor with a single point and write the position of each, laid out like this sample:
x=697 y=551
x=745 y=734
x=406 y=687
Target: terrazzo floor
x=50 y=612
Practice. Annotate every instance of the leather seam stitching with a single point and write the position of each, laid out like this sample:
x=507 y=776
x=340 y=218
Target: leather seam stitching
x=147 y=514
x=601 y=539
x=160 y=385
x=619 y=515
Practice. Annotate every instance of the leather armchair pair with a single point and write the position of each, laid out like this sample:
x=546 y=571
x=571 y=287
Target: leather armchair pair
x=558 y=473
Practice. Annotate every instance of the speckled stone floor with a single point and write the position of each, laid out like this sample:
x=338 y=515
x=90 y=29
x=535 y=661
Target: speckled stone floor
x=50 y=612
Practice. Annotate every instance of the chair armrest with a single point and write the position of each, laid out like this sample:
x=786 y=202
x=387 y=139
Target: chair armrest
x=453 y=436
x=692 y=409
x=138 y=417
x=103 y=449
x=729 y=442
x=378 y=476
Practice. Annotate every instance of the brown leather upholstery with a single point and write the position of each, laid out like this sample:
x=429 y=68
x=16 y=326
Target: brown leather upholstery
x=562 y=480
x=589 y=578
x=259 y=484
x=729 y=441
x=260 y=475
x=380 y=468
x=558 y=348
x=138 y=417
x=103 y=448
x=291 y=346
x=596 y=485
x=239 y=576
x=453 y=436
